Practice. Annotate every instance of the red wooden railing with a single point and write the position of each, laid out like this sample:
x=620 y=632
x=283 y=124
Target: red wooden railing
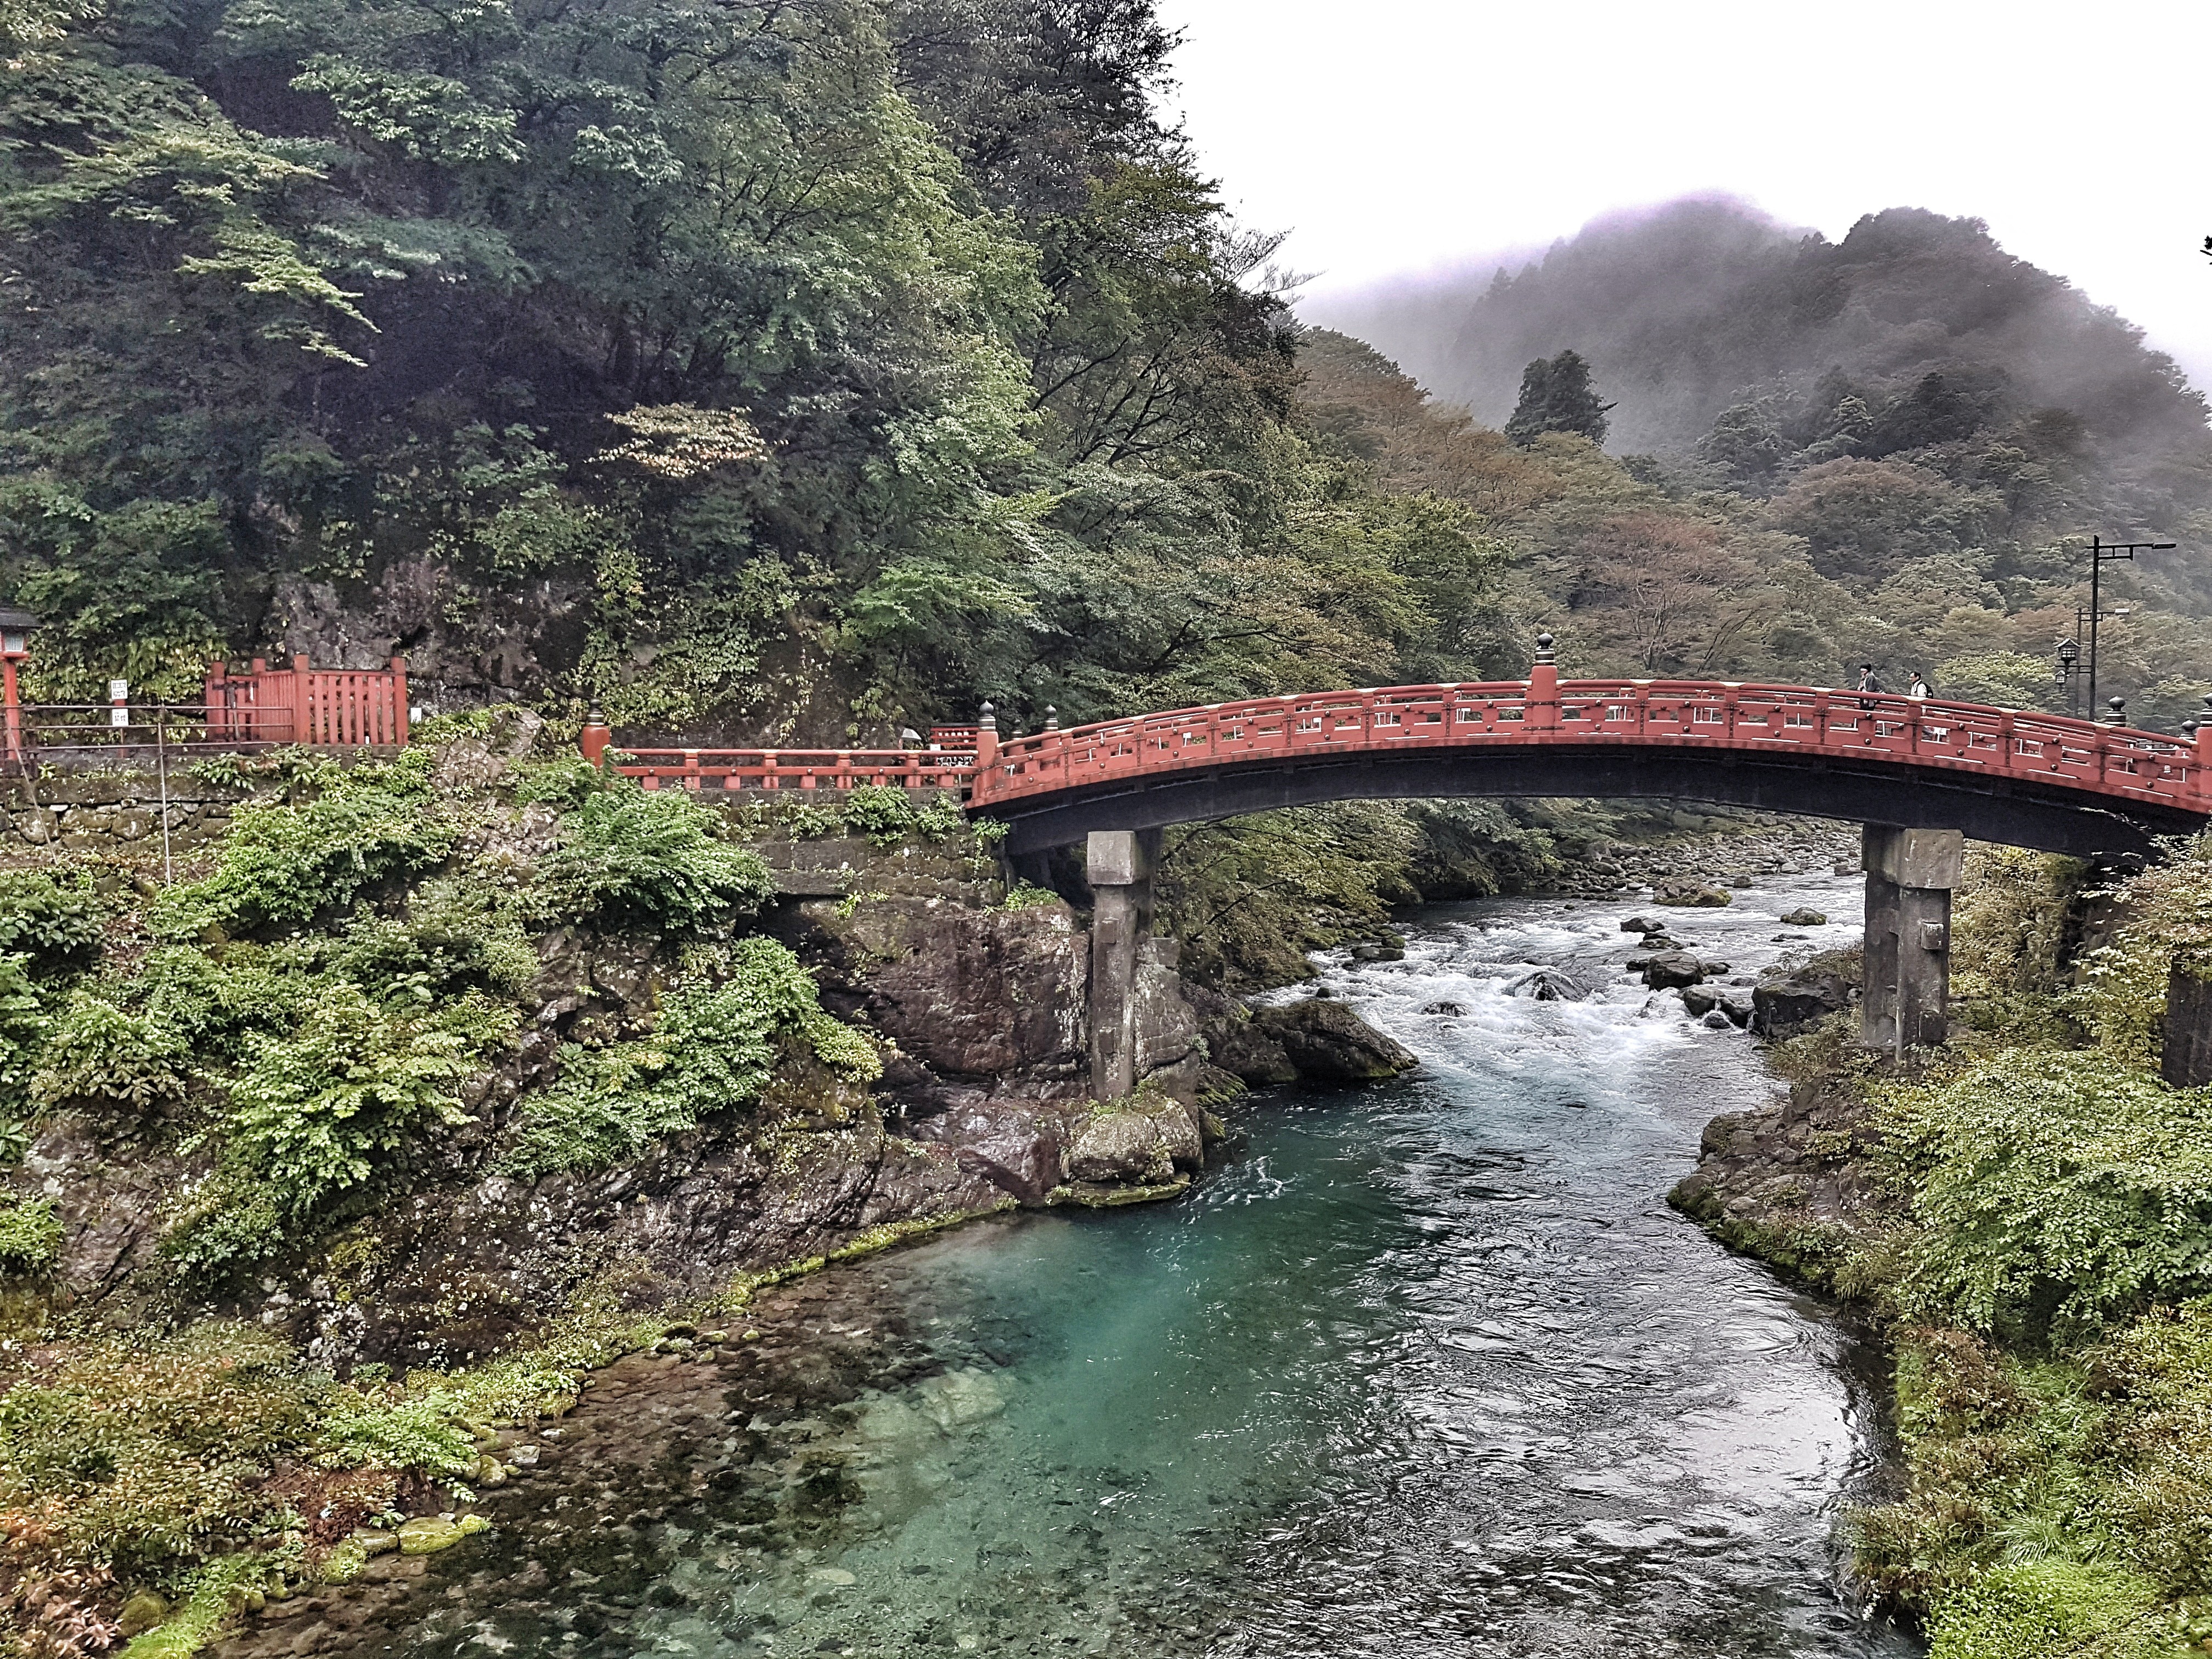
x=2043 y=749
x=2115 y=761
x=796 y=769
x=325 y=707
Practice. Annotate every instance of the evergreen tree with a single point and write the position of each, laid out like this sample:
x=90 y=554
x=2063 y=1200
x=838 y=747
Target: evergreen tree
x=1557 y=397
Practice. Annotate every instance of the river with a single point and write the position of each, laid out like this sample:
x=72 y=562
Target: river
x=1422 y=1369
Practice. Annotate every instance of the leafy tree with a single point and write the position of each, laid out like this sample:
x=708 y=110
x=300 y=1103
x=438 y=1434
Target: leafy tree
x=1557 y=396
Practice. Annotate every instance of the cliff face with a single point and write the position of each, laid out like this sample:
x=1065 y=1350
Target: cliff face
x=984 y=1105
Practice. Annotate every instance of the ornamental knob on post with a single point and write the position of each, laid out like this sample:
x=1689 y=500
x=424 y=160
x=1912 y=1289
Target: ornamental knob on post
x=2204 y=748
x=2116 y=712
x=987 y=736
x=1543 y=709
x=1051 y=718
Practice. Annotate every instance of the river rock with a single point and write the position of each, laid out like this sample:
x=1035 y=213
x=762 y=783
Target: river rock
x=1693 y=894
x=140 y=1613
x=427 y=1534
x=1015 y=1145
x=1329 y=1043
x=1782 y=1007
x=1381 y=951
x=1670 y=968
x=1700 y=1000
x=1453 y=1009
x=1141 y=1141
x=1644 y=925
x=1546 y=985
x=1237 y=1043
x=1803 y=916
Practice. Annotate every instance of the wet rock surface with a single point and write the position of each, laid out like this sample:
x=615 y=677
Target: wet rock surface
x=1325 y=1041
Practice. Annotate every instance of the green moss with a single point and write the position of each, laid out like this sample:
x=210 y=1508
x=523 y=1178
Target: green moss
x=2037 y=1610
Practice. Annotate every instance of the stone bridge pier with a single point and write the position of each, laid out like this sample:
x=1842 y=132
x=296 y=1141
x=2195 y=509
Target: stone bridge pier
x=1910 y=875
x=1121 y=864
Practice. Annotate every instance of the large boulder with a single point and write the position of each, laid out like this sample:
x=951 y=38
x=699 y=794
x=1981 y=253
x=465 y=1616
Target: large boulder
x=1782 y=1007
x=1671 y=968
x=1804 y=916
x=1693 y=894
x=1141 y=1141
x=1327 y=1042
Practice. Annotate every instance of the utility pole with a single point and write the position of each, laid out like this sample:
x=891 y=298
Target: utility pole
x=2100 y=553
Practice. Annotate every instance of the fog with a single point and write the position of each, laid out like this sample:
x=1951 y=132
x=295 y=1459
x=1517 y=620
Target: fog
x=1406 y=137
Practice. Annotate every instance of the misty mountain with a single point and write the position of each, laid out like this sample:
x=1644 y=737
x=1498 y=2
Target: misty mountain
x=1696 y=308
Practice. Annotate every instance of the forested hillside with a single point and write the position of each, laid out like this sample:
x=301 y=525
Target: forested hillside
x=786 y=369
x=1795 y=543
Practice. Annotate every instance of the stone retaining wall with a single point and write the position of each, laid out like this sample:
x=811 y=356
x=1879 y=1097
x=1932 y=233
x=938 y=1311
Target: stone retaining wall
x=114 y=812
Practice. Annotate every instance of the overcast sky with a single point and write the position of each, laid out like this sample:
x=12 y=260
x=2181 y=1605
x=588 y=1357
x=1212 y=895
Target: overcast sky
x=1393 y=136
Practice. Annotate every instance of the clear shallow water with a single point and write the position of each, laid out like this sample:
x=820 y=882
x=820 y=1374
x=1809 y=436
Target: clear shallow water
x=1422 y=1369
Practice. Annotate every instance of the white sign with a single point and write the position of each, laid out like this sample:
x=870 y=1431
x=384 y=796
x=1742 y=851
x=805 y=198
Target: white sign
x=118 y=691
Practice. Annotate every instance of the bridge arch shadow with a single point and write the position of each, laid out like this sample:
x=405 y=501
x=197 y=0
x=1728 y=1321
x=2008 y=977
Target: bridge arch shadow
x=2051 y=819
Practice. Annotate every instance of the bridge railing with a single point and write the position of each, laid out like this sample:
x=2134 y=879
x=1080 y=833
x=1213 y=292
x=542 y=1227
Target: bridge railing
x=2145 y=766
x=1972 y=737
x=795 y=768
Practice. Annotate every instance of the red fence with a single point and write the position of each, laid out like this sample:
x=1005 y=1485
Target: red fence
x=325 y=707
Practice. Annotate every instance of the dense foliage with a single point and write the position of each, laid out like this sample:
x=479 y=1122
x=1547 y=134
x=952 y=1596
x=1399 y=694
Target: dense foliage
x=2043 y=1263
x=813 y=368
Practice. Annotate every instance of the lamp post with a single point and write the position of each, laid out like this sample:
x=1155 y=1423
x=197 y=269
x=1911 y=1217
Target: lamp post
x=16 y=628
x=2101 y=553
x=2070 y=655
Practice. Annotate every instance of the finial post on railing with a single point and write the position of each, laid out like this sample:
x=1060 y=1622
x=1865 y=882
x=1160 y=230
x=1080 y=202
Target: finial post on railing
x=1051 y=718
x=2116 y=712
x=2204 y=748
x=596 y=738
x=1543 y=708
x=987 y=737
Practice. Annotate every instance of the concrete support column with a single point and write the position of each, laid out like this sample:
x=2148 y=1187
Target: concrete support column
x=2186 y=1062
x=1119 y=865
x=1910 y=876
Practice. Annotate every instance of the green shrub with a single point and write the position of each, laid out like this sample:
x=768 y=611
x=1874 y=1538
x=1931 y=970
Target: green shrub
x=715 y=1047
x=320 y=1110
x=881 y=813
x=30 y=1233
x=54 y=923
x=2054 y=1188
x=23 y=1026
x=651 y=859
x=2167 y=918
x=144 y=1452
x=456 y=933
x=100 y=1054
x=283 y=865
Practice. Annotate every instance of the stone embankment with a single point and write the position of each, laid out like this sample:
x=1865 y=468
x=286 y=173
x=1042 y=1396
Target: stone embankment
x=1707 y=854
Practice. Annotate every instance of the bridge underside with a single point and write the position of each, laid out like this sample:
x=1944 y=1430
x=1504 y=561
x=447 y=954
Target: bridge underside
x=1991 y=809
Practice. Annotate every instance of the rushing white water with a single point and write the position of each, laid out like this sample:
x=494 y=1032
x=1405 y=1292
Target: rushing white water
x=1422 y=1369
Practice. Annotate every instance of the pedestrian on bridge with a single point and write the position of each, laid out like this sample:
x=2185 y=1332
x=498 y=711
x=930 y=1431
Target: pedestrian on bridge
x=1869 y=684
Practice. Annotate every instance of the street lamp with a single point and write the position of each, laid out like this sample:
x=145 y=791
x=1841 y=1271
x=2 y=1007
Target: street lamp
x=2101 y=553
x=2070 y=654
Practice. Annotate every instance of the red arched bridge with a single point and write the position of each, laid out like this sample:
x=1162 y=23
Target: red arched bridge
x=1920 y=775
x=2041 y=780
